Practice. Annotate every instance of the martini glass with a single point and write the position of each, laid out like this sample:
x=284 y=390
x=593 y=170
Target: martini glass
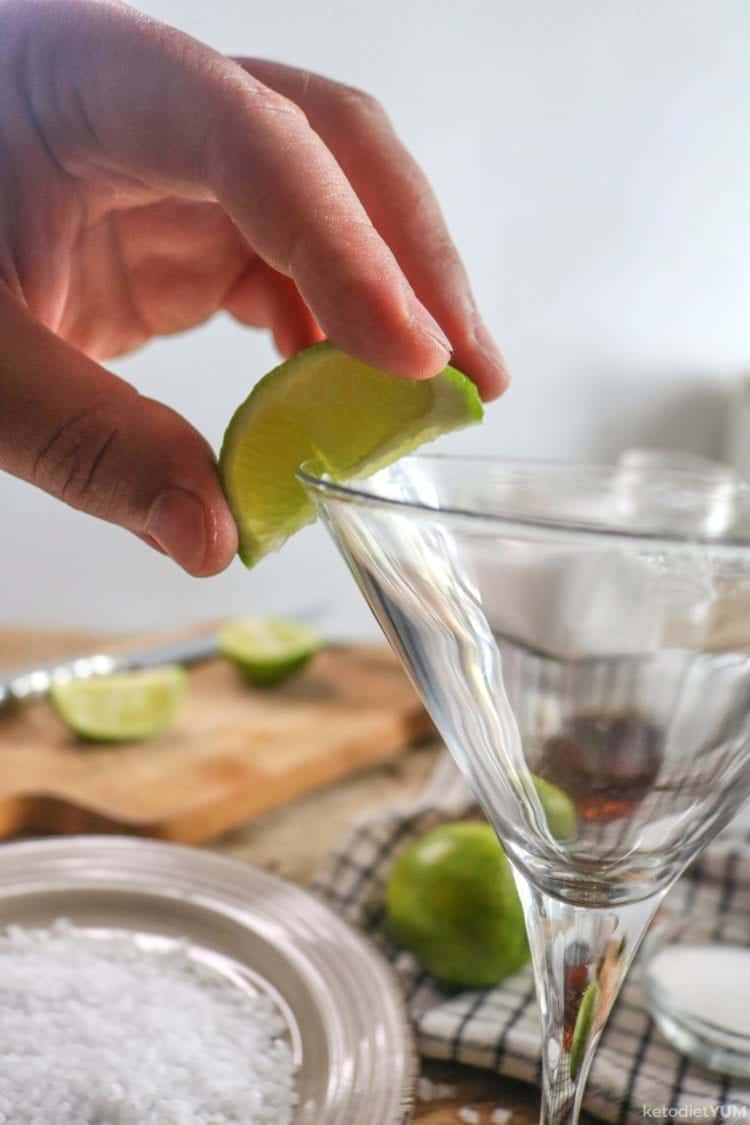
x=562 y=626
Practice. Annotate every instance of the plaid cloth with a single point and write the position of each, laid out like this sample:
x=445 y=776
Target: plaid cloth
x=498 y=1029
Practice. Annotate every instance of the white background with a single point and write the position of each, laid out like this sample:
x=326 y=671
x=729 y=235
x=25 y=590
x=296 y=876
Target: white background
x=592 y=159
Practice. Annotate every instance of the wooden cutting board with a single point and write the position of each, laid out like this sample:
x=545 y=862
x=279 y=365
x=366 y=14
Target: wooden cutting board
x=234 y=753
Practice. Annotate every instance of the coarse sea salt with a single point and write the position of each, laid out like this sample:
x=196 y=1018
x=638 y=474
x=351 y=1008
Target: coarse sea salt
x=100 y=1031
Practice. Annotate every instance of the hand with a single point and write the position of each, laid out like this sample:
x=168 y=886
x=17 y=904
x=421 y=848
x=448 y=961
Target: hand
x=147 y=182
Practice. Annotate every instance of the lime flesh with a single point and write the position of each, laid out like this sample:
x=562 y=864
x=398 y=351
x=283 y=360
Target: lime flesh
x=120 y=708
x=326 y=407
x=268 y=651
x=451 y=900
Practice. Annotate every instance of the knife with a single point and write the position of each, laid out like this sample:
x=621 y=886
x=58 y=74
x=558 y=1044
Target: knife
x=28 y=683
x=31 y=682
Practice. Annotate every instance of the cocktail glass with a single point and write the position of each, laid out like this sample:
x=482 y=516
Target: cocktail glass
x=561 y=626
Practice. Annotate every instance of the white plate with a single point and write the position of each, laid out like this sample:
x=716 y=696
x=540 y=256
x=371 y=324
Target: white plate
x=346 y=1020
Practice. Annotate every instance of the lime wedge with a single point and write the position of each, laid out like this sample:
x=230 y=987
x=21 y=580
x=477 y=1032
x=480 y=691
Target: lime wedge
x=326 y=406
x=268 y=651
x=558 y=808
x=119 y=708
x=583 y=1027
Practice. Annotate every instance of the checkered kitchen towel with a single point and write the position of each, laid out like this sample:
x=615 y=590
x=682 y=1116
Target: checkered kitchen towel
x=634 y=1067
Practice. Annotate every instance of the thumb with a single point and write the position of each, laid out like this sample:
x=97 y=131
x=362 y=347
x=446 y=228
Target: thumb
x=88 y=438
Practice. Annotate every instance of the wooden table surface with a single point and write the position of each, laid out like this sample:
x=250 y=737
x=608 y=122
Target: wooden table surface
x=293 y=842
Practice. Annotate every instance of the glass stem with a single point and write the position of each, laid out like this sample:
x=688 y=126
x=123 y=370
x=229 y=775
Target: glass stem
x=580 y=956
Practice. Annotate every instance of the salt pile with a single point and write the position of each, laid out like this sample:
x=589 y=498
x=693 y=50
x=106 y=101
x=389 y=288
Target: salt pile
x=102 y=1032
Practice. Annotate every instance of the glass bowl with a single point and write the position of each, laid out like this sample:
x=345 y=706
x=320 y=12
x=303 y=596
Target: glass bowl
x=695 y=978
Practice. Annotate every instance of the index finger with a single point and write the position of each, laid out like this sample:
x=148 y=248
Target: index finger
x=402 y=205
x=196 y=123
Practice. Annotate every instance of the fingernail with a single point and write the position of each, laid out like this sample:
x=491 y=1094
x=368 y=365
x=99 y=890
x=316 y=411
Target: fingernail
x=152 y=543
x=428 y=326
x=177 y=524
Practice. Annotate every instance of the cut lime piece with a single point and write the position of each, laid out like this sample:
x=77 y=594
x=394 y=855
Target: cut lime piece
x=583 y=1027
x=323 y=405
x=558 y=808
x=268 y=651
x=122 y=707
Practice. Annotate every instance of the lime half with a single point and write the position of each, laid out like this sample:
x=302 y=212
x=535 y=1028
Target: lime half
x=324 y=406
x=268 y=651
x=119 y=708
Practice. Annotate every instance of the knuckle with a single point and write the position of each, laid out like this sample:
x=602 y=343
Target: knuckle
x=371 y=297
x=241 y=101
x=72 y=462
x=444 y=254
x=362 y=268
x=271 y=103
x=360 y=105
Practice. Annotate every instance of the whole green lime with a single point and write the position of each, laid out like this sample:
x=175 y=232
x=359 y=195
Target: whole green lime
x=452 y=902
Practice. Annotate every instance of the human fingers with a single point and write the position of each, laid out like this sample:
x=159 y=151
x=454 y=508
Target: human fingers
x=197 y=124
x=402 y=205
x=266 y=299
x=88 y=438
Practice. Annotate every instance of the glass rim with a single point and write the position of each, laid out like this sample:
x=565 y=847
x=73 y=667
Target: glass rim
x=310 y=475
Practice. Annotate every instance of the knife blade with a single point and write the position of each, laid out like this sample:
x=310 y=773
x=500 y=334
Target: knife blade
x=29 y=683
x=34 y=681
